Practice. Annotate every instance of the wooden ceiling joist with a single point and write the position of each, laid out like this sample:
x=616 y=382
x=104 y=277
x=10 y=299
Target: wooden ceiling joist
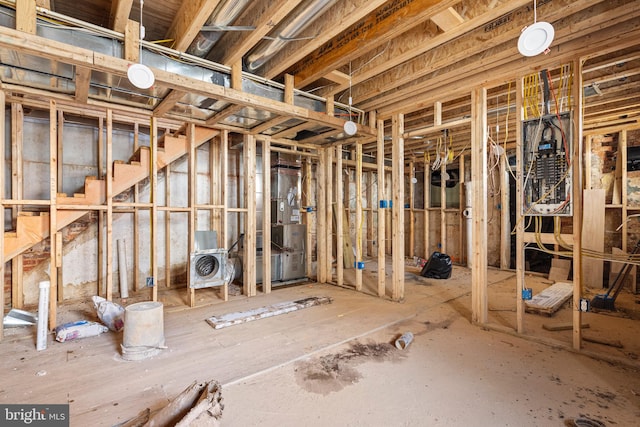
x=120 y=11
x=448 y=19
x=168 y=103
x=188 y=21
x=83 y=81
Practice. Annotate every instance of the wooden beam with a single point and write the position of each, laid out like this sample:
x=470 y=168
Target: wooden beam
x=167 y=227
x=358 y=177
x=443 y=208
x=136 y=218
x=397 y=212
x=120 y=11
x=109 y=199
x=132 y=41
x=519 y=226
x=168 y=103
x=153 y=183
x=381 y=240
x=26 y=16
x=53 y=220
x=82 y=81
x=427 y=204
x=411 y=250
x=352 y=28
x=448 y=19
x=321 y=221
x=193 y=213
x=249 y=268
x=17 y=188
x=328 y=213
x=479 y=206
x=266 y=217
x=369 y=197
x=339 y=218
x=224 y=183
x=576 y=195
x=187 y=23
x=2 y=213
x=505 y=215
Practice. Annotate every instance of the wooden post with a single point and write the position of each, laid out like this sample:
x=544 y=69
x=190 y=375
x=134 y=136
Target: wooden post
x=370 y=202
x=382 y=222
x=2 y=170
x=427 y=205
x=622 y=152
x=321 y=224
x=167 y=227
x=587 y=163
x=505 y=217
x=26 y=16
x=577 y=203
x=307 y=197
x=338 y=218
x=479 y=205
x=412 y=194
x=60 y=167
x=397 y=276
x=17 y=174
x=153 y=158
x=328 y=213
x=53 y=222
x=462 y=226
x=266 y=216
x=249 y=268
x=224 y=183
x=191 y=292
x=109 y=195
x=136 y=217
x=359 y=257
x=101 y=288
x=520 y=255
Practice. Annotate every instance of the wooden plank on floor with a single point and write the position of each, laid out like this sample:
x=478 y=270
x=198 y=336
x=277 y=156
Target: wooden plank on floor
x=236 y=318
x=593 y=236
x=551 y=299
x=564 y=326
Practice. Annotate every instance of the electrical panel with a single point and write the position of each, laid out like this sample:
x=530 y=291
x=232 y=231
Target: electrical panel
x=546 y=159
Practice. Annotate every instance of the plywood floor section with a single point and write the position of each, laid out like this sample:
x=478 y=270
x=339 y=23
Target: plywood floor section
x=329 y=365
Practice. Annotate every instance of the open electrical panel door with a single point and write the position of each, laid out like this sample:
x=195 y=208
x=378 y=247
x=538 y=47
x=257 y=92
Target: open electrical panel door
x=547 y=147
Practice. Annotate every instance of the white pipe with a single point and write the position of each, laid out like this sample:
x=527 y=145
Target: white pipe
x=122 y=269
x=43 y=316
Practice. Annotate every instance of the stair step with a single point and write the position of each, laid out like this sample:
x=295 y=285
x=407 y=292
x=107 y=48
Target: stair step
x=119 y=162
x=91 y=178
x=62 y=194
x=27 y=213
x=79 y=195
x=10 y=234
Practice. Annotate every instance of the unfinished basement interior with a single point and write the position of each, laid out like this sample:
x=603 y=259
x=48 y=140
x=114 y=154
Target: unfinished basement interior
x=320 y=212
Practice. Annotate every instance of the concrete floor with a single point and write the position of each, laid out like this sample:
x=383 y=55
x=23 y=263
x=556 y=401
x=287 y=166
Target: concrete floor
x=335 y=364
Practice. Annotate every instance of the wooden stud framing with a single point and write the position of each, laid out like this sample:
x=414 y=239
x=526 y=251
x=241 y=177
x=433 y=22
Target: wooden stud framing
x=412 y=227
x=397 y=212
x=321 y=223
x=505 y=220
x=153 y=177
x=17 y=133
x=109 y=192
x=167 y=226
x=249 y=268
x=359 y=257
x=2 y=182
x=266 y=216
x=328 y=213
x=136 y=217
x=520 y=256
x=26 y=16
x=427 y=203
x=338 y=218
x=463 y=194
x=191 y=294
x=577 y=204
x=101 y=288
x=443 y=209
x=224 y=183
x=59 y=186
x=53 y=226
x=370 y=199
x=479 y=206
x=622 y=148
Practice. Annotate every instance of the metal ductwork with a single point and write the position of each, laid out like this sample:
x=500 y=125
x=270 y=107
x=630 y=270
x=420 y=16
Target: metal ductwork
x=267 y=49
x=223 y=15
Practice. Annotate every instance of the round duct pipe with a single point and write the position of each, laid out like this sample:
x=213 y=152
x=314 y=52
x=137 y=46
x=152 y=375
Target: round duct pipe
x=266 y=50
x=224 y=14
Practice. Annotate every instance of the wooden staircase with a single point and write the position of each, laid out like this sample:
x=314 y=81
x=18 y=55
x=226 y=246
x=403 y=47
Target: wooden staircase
x=32 y=228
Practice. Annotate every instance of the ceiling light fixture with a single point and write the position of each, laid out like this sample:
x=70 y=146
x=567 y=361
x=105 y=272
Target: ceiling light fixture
x=350 y=128
x=536 y=38
x=139 y=74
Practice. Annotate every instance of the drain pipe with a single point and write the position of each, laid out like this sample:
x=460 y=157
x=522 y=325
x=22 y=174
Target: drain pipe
x=224 y=14
x=290 y=31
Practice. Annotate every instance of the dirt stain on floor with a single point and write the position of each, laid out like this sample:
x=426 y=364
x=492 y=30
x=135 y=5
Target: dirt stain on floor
x=333 y=372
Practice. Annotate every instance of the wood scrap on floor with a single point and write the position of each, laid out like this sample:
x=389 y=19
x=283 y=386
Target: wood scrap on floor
x=565 y=326
x=551 y=299
x=610 y=343
x=198 y=405
x=237 y=318
x=560 y=268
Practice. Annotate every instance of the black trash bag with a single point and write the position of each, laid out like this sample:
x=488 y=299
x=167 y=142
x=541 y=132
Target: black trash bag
x=439 y=266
